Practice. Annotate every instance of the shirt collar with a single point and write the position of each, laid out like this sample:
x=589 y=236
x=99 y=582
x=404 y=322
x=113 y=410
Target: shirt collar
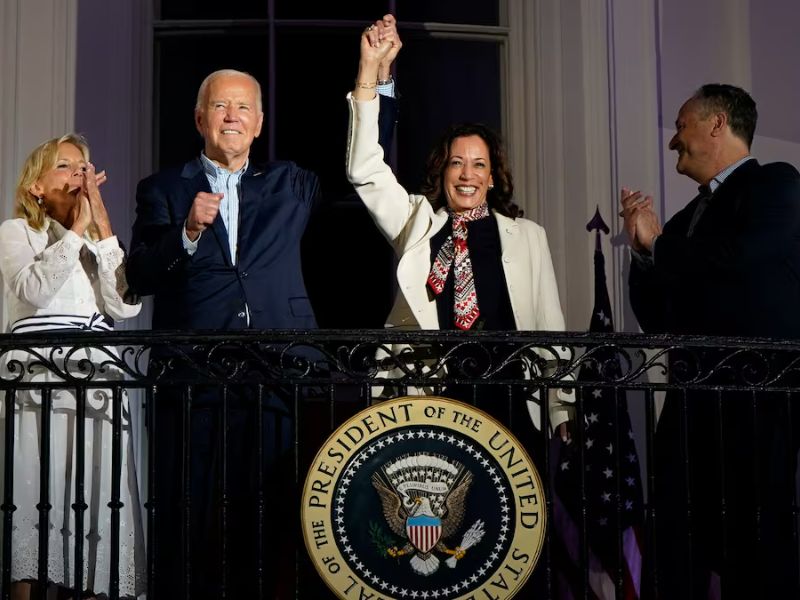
x=214 y=171
x=723 y=175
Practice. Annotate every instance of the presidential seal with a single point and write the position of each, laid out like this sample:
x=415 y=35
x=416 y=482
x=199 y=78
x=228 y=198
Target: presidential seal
x=423 y=498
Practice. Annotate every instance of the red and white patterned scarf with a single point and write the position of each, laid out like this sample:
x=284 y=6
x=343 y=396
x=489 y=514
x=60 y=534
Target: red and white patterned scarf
x=454 y=249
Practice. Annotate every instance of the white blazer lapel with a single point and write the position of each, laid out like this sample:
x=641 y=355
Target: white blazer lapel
x=437 y=221
x=413 y=270
x=517 y=267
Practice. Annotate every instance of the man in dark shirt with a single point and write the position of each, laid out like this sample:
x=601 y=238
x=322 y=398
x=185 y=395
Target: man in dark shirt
x=727 y=264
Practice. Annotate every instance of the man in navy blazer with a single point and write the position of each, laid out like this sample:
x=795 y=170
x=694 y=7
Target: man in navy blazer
x=217 y=242
x=727 y=264
x=254 y=283
x=202 y=276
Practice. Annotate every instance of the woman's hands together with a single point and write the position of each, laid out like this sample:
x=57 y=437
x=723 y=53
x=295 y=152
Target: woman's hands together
x=89 y=207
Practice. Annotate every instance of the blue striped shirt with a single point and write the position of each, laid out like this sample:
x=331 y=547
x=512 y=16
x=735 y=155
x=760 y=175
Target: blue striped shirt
x=227 y=183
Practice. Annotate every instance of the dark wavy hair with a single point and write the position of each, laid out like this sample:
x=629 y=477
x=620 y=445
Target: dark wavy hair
x=499 y=197
x=735 y=102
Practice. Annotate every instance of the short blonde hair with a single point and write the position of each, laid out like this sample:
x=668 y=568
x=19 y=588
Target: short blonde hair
x=42 y=159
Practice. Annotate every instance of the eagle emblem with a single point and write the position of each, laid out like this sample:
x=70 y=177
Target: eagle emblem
x=423 y=497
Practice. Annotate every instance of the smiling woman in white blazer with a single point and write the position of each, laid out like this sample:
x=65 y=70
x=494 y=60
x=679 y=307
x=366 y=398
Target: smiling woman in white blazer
x=467 y=169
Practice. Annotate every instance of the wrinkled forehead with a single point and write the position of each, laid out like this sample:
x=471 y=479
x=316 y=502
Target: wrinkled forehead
x=238 y=87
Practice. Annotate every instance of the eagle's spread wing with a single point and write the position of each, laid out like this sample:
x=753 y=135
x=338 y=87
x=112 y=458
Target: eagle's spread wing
x=393 y=510
x=456 y=507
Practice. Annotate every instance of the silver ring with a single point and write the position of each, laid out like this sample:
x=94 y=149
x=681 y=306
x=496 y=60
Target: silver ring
x=370 y=28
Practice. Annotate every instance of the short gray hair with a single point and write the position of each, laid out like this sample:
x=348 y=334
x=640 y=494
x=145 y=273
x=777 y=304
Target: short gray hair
x=201 y=93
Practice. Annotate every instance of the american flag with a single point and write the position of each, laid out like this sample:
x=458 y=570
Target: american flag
x=606 y=537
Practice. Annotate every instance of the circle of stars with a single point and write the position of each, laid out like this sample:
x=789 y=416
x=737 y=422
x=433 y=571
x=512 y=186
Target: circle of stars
x=343 y=541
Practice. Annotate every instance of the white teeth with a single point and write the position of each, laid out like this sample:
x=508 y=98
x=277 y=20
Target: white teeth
x=229 y=131
x=466 y=189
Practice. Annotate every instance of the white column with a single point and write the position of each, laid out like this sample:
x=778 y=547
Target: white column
x=583 y=106
x=565 y=120
x=38 y=72
x=536 y=126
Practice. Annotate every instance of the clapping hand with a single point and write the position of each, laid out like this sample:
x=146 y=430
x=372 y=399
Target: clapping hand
x=90 y=190
x=640 y=221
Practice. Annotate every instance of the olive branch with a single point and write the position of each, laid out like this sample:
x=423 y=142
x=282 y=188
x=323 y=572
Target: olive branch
x=380 y=538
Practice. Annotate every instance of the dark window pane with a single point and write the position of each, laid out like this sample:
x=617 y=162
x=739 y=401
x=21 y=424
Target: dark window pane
x=471 y=12
x=182 y=64
x=212 y=9
x=361 y=10
x=310 y=103
x=442 y=81
x=348 y=266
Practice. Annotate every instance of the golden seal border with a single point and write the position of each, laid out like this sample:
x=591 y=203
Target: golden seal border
x=521 y=477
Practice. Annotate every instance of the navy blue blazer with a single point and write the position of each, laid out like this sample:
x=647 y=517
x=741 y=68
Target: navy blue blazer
x=207 y=290
x=739 y=272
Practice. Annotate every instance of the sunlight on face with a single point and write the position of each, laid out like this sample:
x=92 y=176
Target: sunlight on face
x=468 y=173
x=229 y=119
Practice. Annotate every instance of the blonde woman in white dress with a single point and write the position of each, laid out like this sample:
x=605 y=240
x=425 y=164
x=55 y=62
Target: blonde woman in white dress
x=63 y=270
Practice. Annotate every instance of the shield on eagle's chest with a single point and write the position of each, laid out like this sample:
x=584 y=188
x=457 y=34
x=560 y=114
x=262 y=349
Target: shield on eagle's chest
x=423 y=532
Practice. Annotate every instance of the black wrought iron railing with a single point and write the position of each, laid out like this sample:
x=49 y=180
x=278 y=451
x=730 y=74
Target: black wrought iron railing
x=268 y=400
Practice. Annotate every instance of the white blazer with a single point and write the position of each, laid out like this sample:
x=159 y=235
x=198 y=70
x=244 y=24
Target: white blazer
x=408 y=221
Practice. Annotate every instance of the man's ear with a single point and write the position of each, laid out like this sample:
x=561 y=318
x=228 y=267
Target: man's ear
x=198 y=121
x=720 y=123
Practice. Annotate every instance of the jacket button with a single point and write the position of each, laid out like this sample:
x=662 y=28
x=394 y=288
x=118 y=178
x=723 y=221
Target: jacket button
x=244 y=274
x=241 y=314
